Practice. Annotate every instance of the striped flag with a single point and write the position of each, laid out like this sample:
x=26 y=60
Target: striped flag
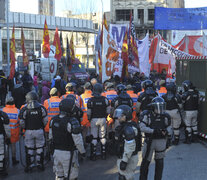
x=46 y=41
x=12 y=56
x=25 y=57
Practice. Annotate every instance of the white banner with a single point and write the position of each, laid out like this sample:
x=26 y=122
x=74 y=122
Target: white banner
x=117 y=32
x=110 y=55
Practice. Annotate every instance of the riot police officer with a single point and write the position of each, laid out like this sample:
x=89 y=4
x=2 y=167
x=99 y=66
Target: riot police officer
x=156 y=126
x=190 y=104
x=127 y=141
x=173 y=108
x=145 y=97
x=33 y=119
x=77 y=111
x=65 y=135
x=122 y=99
x=4 y=137
x=98 y=109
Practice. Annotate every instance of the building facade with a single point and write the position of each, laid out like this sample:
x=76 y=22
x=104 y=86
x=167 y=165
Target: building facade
x=143 y=13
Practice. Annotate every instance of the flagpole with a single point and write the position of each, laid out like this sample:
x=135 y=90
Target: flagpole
x=7 y=25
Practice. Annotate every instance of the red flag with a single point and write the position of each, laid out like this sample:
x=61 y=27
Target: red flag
x=105 y=23
x=56 y=43
x=72 y=51
x=46 y=41
x=125 y=57
x=25 y=58
x=12 y=56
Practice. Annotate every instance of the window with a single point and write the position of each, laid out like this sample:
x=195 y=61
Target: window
x=151 y=14
x=123 y=14
x=95 y=26
x=141 y=15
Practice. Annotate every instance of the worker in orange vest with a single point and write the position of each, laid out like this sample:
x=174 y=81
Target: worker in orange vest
x=83 y=103
x=110 y=94
x=70 y=89
x=134 y=98
x=163 y=89
x=52 y=106
x=13 y=113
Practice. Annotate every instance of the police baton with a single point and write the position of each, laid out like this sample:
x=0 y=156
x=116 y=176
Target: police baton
x=70 y=164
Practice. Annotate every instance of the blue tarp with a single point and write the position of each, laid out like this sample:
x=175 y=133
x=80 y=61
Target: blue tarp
x=180 y=18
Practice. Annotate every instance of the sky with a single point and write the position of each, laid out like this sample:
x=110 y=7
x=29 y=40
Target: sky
x=30 y=6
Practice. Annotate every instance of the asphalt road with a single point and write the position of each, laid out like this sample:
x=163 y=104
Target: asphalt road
x=182 y=162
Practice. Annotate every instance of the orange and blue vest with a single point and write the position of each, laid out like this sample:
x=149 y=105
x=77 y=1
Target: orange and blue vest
x=134 y=98
x=162 y=91
x=110 y=95
x=13 y=113
x=52 y=107
x=83 y=105
x=75 y=95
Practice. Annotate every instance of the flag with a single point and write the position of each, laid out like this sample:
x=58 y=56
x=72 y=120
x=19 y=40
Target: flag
x=125 y=56
x=46 y=41
x=105 y=23
x=56 y=43
x=69 y=64
x=133 y=48
x=25 y=57
x=61 y=42
x=12 y=56
x=72 y=51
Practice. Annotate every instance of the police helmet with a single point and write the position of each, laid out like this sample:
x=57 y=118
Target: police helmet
x=158 y=105
x=67 y=105
x=146 y=84
x=171 y=87
x=109 y=85
x=88 y=86
x=187 y=84
x=120 y=88
x=97 y=89
x=70 y=86
x=31 y=96
x=123 y=110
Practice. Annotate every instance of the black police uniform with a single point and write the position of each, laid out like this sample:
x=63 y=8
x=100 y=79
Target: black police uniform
x=98 y=109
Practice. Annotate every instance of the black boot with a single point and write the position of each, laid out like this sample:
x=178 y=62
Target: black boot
x=14 y=161
x=93 y=152
x=40 y=163
x=159 y=164
x=28 y=163
x=187 y=138
x=121 y=177
x=103 y=152
x=176 y=141
x=144 y=169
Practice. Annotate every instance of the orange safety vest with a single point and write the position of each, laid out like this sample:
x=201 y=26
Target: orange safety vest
x=13 y=113
x=75 y=95
x=110 y=95
x=162 y=91
x=52 y=107
x=83 y=104
x=140 y=92
x=134 y=98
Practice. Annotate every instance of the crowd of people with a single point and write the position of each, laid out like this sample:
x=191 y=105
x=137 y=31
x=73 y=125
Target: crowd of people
x=119 y=116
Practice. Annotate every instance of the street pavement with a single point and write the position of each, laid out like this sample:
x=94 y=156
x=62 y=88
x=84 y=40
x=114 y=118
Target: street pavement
x=182 y=162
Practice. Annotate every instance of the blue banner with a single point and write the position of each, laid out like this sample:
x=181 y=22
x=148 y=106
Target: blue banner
x=180 y=18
